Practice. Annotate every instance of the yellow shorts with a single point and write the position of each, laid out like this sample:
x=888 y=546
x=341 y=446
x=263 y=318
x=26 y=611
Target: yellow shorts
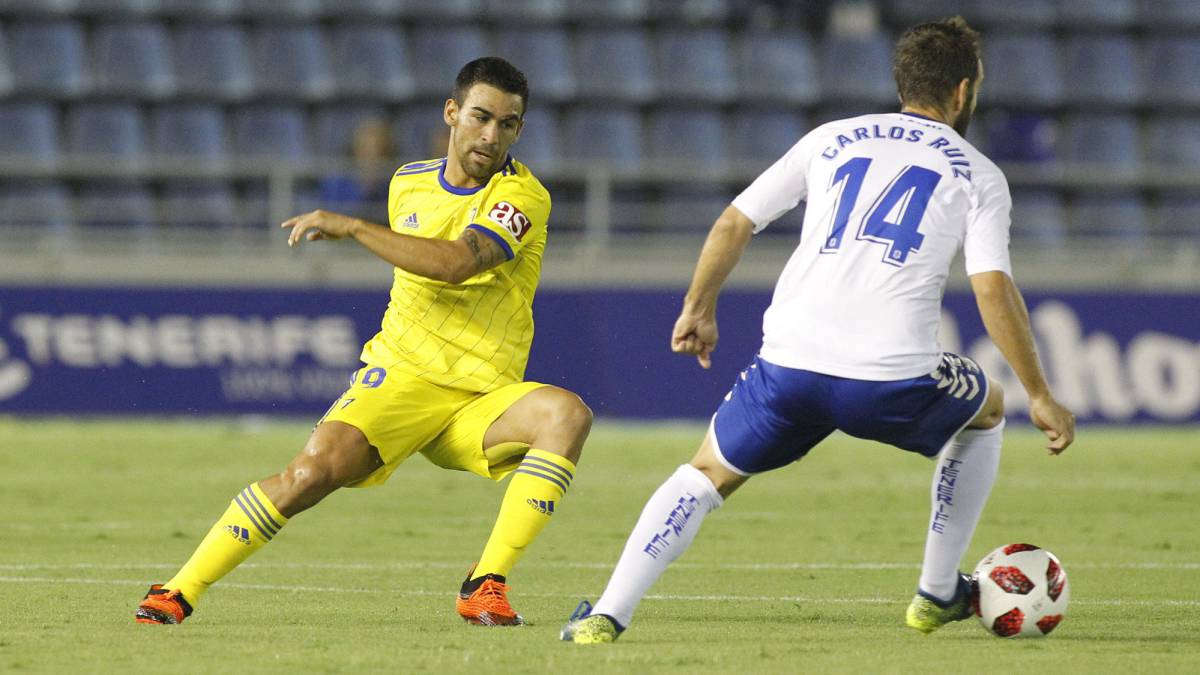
x=400 y=414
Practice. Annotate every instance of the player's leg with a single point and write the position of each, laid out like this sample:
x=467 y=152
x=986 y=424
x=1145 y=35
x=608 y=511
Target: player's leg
x=335 y=455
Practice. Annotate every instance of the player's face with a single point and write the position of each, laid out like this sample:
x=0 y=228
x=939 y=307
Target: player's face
x=483 y=128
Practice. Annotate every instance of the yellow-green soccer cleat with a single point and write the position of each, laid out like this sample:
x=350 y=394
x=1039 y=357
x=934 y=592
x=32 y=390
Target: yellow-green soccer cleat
x=585 y=628
x=927 y=615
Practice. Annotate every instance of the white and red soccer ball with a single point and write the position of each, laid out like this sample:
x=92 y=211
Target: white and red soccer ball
x=1023 y=591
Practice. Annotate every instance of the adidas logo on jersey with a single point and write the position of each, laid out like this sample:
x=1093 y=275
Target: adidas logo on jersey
x=411 y=221
x=541 y=505
x=239 y=533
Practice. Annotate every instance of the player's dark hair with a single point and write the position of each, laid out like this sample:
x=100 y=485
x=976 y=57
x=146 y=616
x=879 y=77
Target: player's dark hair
x=498 y=73
x=932 y=58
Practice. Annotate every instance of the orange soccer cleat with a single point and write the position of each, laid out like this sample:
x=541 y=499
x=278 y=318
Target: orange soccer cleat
x=162 y=607
x=483 y=602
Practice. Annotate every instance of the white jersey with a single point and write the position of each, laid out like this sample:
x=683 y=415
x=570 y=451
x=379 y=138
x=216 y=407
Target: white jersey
x=891 y=198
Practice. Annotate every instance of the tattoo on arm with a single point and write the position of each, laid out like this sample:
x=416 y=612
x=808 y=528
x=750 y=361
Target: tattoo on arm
x=486 y=253
x=473 y=244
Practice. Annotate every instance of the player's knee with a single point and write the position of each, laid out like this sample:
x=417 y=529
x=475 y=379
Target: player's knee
x=309 y=477
x=993 y=409
x=564 y=411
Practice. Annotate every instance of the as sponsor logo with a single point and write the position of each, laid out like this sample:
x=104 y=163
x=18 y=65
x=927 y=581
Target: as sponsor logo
x=510 y=218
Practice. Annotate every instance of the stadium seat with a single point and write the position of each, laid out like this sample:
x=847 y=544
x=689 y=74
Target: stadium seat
x=691 y=11
x=435 y=72
x=213 y=61
x=198 y=204
x=445 y=9
x=364 y=9
x=1169 y=70
x=763 y=136
x=544 y=54
x=37 y=204
x=1177 y=214
x=208 y=9
x=1038 y=217
x=273 y=10
x=1110 y=215
x=694 y=64
x=118 y=206
x=539 y=146
x=1022 y=69
x=270 y=132
x=191 y=131
x=526 y=10
x=1174 y=141
x=590 y=11
x=113 y=131
x=30 y=131
x=1102 y=68
x=48 y=57
x=1170 y=14
x=1111 y=140
x=687 y=136
x=420 y=133
x=371 y=61
x=857 y=68
x=1098 y=13
x=6 y=73
x=132 y=58
x=613 y=135
x=335 y=127
x=109 y=8
x=1016 y=136
x=909 y=12
x=614 y=63
x=778 y=65
x=691 y=207
x=1035 y=13
x=290 y=60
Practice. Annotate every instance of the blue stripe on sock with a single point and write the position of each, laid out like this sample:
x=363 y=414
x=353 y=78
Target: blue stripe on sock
x=537 y=467
x=261 y=516
x=551 y=465
x=552 y=479
x=253 y=520
x=263 y=510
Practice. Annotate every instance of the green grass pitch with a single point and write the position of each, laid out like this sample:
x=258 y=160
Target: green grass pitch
x=808 y=569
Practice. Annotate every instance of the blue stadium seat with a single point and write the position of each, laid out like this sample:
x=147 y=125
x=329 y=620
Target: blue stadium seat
x=1111 y=140
x=526 y=10
x=1170 y=14
x=434 y=70
x=691 y=207
x=208 y=9
x=1102 y=69
x=763 y=136
x=48 y=57
x=695 y=64
x=191 y=131
x=1169 y=70
x=1036 y=13
x=691 y=11
x=6 y=73
x=117 y=205
x=273 y=10
x=1177 y=214
x=132 y=58
x=115 y=7
x=539 y=144
x=445 y=9
x=420 y=132
x=858 y=68
x=611 y=10
x=213 y=61
x=544 y=55
x=687 y=135
x=1039 y=217
x=1016 y=136
x=1023 y=69
x=910 y=12
x=778 y=65
x=613 y=135
x=335 y=127
x=1098 y=13
x=1174 y=141
x=36 y=203
x=614 y=63
x=364 y=9
x=290 y=60
x=198 y=204
x=270 y=132
x=113 y=131
x=30 y=131
x=371 y=60
x=1112 y=214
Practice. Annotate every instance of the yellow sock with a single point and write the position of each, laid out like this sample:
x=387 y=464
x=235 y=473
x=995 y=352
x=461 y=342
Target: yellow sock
x=536 y=487
x=249 y=523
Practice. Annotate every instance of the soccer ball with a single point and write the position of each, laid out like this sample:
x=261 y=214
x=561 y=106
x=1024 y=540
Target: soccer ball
x=1023 y=591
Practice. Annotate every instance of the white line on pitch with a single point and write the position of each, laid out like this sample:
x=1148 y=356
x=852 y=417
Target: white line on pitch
x=441 y=564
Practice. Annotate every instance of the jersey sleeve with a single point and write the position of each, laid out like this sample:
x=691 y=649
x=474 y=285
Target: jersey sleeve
x=514 y=213
x=985 y=246
x=778 y=189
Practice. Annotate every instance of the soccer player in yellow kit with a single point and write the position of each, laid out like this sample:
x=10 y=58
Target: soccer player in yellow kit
x=444 y=375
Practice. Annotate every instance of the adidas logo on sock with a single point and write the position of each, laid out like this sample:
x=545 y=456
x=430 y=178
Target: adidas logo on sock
x=411 y=221
x=239 y=533
x=541 y=506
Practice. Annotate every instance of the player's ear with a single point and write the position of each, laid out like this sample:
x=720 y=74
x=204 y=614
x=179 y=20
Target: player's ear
x=450 y=112
x=962 y=94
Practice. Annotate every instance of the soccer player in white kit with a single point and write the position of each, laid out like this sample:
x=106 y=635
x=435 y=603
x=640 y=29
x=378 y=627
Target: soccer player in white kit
x=850 y=338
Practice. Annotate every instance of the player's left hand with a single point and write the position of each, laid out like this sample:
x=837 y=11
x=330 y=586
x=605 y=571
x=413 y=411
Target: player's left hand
x=319 y=224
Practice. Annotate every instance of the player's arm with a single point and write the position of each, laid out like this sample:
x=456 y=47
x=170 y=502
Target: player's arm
x=696 y=329
x=437 y=259
x=1007 y=321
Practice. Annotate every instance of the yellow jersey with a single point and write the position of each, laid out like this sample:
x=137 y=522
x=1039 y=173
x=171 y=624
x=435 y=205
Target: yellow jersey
x=475 y=335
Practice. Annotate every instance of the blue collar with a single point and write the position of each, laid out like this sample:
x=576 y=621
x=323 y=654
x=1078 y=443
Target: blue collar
x=454 y=189
x=924 y=117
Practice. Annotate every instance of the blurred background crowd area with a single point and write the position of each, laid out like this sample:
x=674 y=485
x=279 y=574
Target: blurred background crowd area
x=171 y=123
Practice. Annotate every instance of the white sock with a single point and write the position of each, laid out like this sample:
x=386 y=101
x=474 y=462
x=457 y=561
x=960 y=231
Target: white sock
x=965 y=472
x=666 y=528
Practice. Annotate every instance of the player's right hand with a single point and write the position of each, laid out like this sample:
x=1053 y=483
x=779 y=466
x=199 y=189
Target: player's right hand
x=1057 y=422
x=695 y=334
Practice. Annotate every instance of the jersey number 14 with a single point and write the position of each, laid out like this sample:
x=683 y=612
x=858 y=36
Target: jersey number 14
x=893 y=218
